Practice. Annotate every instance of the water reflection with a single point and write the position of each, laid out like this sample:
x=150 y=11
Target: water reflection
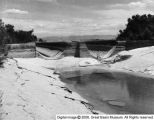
x=115 y=92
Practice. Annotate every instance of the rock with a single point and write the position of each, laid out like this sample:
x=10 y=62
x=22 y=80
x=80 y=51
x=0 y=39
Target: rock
x=117 y=103
x=89 y=62
x=56 y=72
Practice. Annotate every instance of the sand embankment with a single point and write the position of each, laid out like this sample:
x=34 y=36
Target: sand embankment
x=31 y=90
x=140 y=60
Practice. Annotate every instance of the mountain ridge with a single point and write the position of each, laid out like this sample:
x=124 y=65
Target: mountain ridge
x=78 y=38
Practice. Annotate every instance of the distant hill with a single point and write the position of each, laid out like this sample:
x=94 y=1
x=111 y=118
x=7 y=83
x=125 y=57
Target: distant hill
x=78 y=38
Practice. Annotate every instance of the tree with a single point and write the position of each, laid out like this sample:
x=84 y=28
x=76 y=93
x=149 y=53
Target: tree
x=40 y=40
x=139 y=27
x=9 y=35
x=3 y=34
x=9 y=28
x=25 y=36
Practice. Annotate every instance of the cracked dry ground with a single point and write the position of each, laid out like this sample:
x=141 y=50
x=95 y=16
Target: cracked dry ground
x=30 y=95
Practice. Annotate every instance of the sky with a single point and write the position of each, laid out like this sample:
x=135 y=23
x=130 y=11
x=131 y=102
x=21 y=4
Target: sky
x=72 y=17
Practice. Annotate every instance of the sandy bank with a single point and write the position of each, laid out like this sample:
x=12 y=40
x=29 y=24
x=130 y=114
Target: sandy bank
x=141 y=60
x=31 y=90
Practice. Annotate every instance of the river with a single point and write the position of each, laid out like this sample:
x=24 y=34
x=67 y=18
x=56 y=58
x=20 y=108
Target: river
x=112 y=91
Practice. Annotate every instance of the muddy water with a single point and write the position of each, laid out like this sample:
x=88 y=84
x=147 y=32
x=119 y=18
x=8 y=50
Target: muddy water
x=114 y=92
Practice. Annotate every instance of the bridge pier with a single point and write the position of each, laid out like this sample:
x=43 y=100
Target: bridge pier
x=77 y=50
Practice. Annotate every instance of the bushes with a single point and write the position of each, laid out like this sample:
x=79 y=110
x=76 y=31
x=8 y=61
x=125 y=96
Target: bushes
x=1 y=61
x=3 y=54
x=19 y=36
x=139 y=27
x=8 y=35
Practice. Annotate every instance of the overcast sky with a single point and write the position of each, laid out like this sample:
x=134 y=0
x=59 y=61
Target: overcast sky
x=72 y=17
